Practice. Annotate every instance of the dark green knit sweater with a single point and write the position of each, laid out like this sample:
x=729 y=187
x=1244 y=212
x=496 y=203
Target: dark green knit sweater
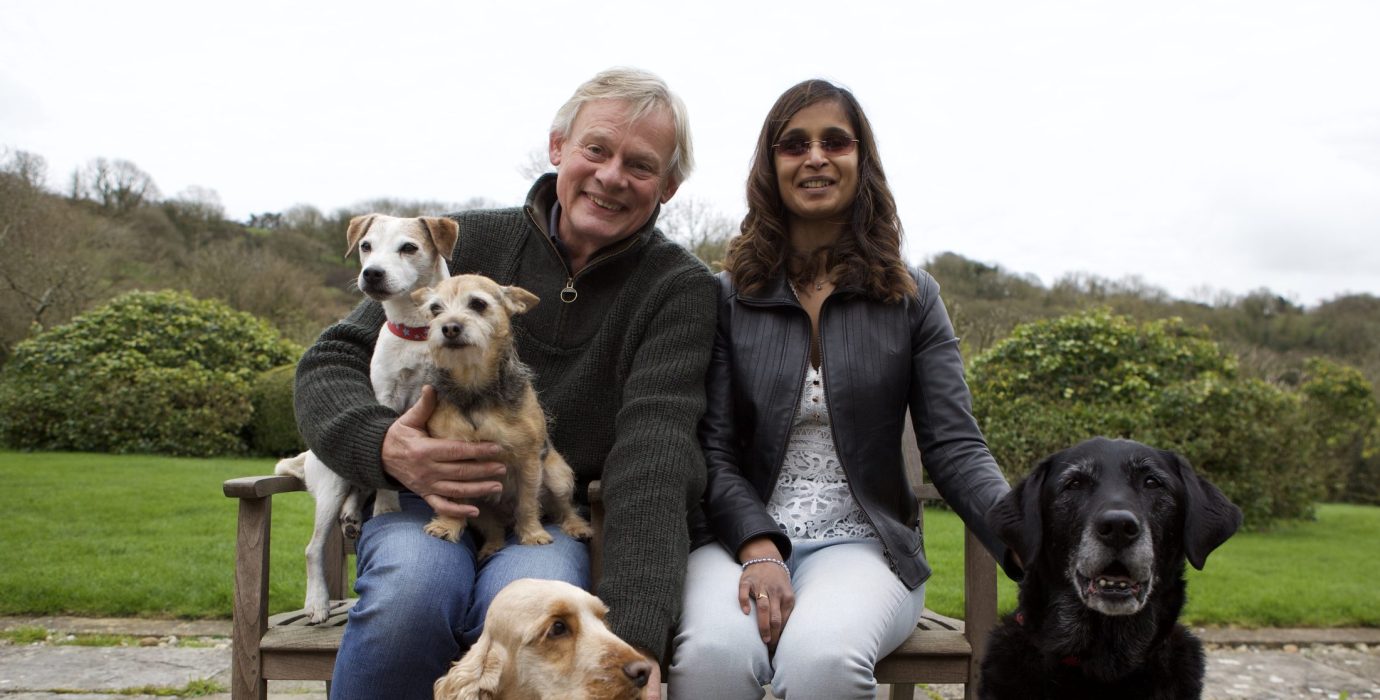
x=620 y=370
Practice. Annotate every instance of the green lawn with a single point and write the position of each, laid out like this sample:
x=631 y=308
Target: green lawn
x=134 y=535
x=129 y=535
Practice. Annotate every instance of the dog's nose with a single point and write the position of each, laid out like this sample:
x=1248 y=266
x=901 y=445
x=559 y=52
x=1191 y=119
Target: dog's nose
x=1118 y=528
x=452 y=330
x=372 y=275
x=638 y=671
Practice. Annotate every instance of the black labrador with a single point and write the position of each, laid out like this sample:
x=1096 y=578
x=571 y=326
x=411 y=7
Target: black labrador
x=1104 y=529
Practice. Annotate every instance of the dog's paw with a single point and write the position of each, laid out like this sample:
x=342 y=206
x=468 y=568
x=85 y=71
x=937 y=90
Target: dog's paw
x=576 y=527
x=535 y=537
x=349 y=524
x=442 y=531
x=317 y=608
x=316 y=616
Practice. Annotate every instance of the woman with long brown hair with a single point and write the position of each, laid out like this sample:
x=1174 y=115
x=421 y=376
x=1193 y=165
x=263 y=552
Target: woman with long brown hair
x=814 y=566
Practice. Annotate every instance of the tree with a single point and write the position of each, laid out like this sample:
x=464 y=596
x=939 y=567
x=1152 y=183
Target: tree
x=697 y=225
x=118 y=186
x=48 y=252
x=30 y=168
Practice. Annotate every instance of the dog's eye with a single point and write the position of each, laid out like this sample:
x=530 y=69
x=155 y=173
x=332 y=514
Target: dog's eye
x=558 y=629
x=1075 y=483
x=1152 y=483
x=436 y=309
x=408 y=248
x=478 y=305
x=365 y=247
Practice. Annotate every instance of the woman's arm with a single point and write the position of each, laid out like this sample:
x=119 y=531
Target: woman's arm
x=954 y=450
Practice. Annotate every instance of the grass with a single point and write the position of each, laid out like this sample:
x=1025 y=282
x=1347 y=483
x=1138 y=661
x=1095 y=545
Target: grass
x=132 y=535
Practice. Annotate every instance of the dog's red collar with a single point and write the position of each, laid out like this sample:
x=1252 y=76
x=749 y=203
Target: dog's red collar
x=1069 y=660
x=408 y=332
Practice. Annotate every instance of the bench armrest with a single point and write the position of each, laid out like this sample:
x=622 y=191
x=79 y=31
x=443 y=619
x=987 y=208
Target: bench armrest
x=262 y=486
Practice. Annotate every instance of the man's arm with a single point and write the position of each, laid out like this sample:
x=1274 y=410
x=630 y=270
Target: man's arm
x=656 y=467
x=337 y=414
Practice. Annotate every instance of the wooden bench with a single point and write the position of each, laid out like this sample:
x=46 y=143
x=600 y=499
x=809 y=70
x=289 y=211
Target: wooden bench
x=284 y=647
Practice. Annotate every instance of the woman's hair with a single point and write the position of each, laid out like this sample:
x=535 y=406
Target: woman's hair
x=645 y=92
x=868 y=253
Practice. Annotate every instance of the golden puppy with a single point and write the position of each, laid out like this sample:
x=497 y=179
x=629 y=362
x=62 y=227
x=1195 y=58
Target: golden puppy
x=484 y=394
x=544 y=640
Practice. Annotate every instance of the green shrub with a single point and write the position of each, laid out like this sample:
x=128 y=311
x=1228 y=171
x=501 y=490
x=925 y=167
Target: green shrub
x=1054 y=383
x=1247 y=436
x=1340 y=409
x=273 y=429
x=159 y=372
x=1364 y=483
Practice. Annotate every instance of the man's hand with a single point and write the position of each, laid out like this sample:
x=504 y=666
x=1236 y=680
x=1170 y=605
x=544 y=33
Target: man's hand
x=439 y=470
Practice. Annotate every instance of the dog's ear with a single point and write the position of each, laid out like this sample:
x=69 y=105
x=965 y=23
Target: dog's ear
x=358 y=227
x=517 y=300
x=443 y=232
x=1209 y=517
x=419 y=296
x=476 y=676
x=1016 y=517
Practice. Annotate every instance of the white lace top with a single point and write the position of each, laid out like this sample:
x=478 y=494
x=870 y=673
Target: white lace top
x=812 y=499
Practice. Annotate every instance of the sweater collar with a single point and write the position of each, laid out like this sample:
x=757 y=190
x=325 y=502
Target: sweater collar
x=544 y=211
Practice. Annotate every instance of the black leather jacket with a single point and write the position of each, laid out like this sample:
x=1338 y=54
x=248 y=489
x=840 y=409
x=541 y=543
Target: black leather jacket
x=878 y=359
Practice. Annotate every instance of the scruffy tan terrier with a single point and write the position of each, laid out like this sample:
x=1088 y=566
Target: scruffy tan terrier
x=484 y=394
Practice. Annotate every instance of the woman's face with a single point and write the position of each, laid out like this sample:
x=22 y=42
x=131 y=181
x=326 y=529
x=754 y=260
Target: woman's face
x=820 y=183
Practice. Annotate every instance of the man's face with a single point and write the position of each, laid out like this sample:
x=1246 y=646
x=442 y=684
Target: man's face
x=610 y=174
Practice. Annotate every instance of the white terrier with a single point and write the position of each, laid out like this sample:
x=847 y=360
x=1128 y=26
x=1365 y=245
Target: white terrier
x=397 y=257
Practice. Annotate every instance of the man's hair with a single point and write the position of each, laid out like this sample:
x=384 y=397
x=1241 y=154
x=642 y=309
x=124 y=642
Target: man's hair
x=645 y=92
x=868 y=253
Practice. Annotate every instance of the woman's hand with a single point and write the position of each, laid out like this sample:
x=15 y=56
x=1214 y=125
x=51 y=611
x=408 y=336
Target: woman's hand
x=768 y=585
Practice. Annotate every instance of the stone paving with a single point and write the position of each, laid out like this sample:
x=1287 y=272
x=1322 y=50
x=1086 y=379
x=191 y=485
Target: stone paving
x=195 y=657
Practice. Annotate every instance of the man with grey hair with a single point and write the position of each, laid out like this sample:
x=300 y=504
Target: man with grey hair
x=619 y=344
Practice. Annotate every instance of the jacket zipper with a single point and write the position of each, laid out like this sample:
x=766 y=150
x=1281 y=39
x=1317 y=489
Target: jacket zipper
x=800 y=390
x=569 y=294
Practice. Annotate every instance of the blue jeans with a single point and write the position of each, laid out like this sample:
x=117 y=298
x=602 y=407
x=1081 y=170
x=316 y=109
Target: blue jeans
x=850 y=610
x=422 y=600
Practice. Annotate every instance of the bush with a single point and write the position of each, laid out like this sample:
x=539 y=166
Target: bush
x=273 y=429
x=158 y=372
x=1248 y=437
x=1364 y=484
x=1340 y=409
x=1054 y=383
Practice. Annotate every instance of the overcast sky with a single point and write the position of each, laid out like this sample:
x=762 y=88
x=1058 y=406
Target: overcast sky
x=1205 y=147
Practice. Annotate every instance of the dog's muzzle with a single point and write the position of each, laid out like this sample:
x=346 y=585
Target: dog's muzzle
x=1113 y=568
x=453 y=335
x=374 y=282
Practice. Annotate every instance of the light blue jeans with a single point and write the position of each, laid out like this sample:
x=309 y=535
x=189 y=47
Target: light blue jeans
x=850 y=610
x=422 y=600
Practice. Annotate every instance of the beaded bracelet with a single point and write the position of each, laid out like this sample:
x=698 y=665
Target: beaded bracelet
x=765 y=560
